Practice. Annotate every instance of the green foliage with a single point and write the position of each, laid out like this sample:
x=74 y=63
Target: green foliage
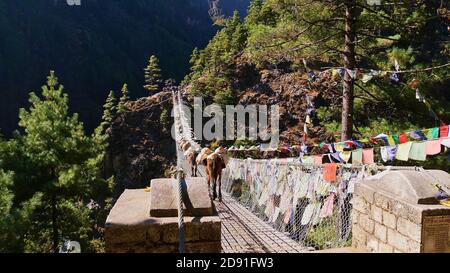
x=111 y=40
x=109 y=114
x=287 y=32
x=244 y=142
x=254 y=11
x=153 y=75
x=123 y=99
x=260 y=12
x=164 y=118
x=57 y=169
x=6 y=203
x=212 y=68
x=225 y=97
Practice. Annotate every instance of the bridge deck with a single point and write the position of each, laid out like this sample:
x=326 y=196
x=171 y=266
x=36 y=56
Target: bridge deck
x=244 y=232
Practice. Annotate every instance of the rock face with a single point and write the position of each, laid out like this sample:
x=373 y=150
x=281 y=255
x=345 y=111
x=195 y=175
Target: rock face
x=141 y=147
x=295 y=93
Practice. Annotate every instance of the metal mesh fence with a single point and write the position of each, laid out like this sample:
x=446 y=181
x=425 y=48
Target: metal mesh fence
x=295 y=198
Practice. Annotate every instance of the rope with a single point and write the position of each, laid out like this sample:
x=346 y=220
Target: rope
x=181 y=228
x=397 y=72
x=179 y=185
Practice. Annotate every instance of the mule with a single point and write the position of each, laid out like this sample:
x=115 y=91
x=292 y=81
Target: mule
x=214 y=165
x=201 y=157
x=191 y=159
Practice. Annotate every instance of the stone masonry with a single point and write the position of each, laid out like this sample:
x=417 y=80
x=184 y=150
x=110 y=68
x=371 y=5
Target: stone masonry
x=386 y=220
x=130 y=229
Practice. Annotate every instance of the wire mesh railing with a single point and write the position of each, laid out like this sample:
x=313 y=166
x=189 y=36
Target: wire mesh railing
x=296 y=199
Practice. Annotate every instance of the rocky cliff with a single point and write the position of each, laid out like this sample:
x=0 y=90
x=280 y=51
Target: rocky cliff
x=140 y=144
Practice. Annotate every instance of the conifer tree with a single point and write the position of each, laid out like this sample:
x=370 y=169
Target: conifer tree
x=109 y=111
x=254 y=11
x=152 y=75
x=59 y=173
x=6 y=202
x=123 y=99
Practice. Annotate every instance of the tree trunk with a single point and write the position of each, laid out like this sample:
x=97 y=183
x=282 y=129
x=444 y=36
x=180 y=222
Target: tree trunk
x=349 y=64
x=55 y=225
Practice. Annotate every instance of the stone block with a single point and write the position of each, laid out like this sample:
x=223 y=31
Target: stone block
x=376 y=214
x=192 y=232
x=409 y=229
x=365 y=192
x=164 y=248
x=359 y=237
x=202 y=247
x=389 y=220
x=380 y=232
x=210 y=230
x=170 y=233
x=366 y=223
x=385 y=248
x=398 y=241
x=361 y=205
x=154 y=233
x=372 y=244
x=383 y=201
x=411 y=212
x=120 y=235
x=164 y=198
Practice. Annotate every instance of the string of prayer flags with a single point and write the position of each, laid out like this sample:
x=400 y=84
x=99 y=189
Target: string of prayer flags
x=414 y=145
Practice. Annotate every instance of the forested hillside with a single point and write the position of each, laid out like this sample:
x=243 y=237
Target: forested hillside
x=286 y=51
x=95 y=47
x=339 y=70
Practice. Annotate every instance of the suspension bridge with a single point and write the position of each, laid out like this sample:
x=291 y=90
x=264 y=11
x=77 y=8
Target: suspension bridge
x=280 y=205
x=242 y=231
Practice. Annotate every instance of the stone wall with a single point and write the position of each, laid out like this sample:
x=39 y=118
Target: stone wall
x=383 y=224
x=130 y=229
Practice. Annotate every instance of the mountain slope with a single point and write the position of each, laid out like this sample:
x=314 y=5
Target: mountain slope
x=95 y=47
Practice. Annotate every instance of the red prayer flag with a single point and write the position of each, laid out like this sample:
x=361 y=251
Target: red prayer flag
x=330 y=172
x=402 y=138
x=443 y=131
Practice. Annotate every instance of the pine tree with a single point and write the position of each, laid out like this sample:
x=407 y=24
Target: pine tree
x=109 y=111
x=123 y=99
x=152 y=75
x=6 y=203
x=58 y=172
x=239 y=39
x=254 y=12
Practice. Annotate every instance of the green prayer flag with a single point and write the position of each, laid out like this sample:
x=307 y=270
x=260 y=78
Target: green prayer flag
x=433 y=133
x=418 y=151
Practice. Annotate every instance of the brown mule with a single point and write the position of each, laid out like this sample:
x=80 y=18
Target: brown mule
x=214 y=165
x=191 y=159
